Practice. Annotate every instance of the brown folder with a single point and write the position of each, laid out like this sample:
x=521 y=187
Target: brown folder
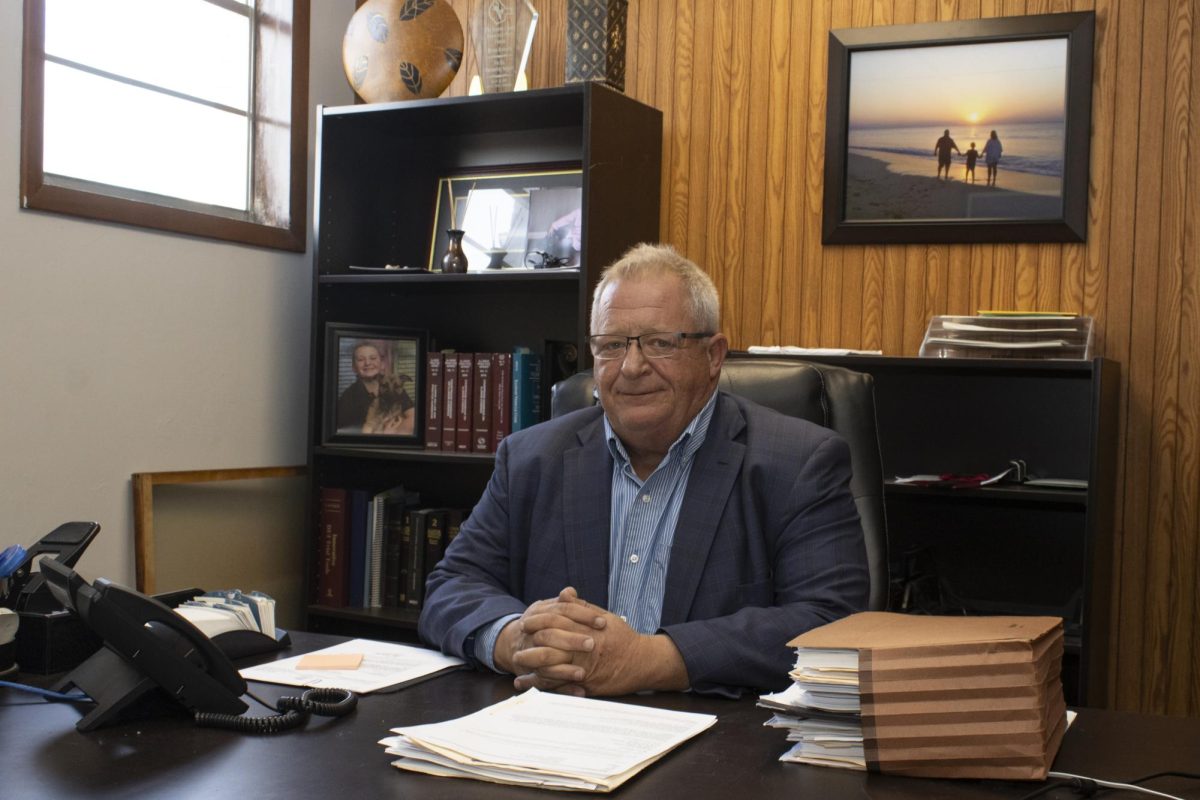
x=954 y=697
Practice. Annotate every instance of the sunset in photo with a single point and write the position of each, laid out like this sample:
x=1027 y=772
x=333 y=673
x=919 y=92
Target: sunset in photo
x=957 y=131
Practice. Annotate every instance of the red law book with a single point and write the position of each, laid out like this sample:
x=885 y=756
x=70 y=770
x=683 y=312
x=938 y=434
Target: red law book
x=332 y=547
x=501 y=397
x=481 y=397
x=433 y=402
x=450 y=400
x=463 y=414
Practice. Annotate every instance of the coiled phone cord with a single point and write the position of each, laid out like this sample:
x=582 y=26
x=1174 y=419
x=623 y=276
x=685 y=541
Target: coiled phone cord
x=295 y=712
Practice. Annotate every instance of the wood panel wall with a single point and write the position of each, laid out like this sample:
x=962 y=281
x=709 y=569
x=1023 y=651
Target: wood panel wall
x=742 y=89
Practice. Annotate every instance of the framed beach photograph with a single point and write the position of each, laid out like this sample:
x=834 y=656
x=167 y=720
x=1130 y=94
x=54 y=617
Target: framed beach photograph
x=493 y=211
x=970 y=131
x=373 y=388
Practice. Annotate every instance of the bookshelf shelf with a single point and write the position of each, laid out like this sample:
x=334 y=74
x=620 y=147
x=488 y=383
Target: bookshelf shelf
x=378 y=168
x=519 y=277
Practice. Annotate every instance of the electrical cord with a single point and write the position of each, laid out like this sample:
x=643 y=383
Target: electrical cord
x=1089 y=786
x=69 y=697
x=1190 y=775
x=294 y=712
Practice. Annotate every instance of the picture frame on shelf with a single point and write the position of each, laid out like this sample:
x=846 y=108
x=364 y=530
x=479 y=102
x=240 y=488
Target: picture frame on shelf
x=493 y=211
x=554 y=238
x=967 y=131
x=373 y=388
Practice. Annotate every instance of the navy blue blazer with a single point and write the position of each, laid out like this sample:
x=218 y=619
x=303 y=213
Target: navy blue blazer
x=768 y=543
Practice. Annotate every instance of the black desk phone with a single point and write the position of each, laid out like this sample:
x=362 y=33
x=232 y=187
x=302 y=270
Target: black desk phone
x=154 y=660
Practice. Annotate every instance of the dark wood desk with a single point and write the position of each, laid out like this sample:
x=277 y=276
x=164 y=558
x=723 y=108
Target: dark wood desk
x=42 y=755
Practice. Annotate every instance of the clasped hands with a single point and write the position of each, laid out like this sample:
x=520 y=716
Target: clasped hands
x=565 y=644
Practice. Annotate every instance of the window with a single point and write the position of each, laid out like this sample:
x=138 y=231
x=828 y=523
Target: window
x=182 y=115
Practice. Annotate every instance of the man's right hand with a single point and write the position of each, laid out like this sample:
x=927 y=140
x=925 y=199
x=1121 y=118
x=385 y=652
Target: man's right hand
x=549 y=633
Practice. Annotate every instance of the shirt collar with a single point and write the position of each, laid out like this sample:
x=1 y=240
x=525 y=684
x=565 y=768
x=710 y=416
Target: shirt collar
x=683 y=448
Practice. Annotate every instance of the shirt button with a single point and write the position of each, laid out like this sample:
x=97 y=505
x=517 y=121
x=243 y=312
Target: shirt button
x=645 y=498
x=623 y=618
x=633 y=559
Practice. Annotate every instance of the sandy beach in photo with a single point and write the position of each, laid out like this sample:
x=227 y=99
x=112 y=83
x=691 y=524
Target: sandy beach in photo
x=893 y=186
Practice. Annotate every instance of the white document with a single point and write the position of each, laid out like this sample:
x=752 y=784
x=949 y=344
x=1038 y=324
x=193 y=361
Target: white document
x=550 y=740
x=384 y=664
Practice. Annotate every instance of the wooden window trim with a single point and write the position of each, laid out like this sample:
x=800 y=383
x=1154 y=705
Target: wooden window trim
x=277 y=214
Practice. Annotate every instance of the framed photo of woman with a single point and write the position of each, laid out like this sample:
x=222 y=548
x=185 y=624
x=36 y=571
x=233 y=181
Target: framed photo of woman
x=373 y=386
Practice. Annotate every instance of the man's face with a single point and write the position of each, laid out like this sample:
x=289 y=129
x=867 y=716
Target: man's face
x=367 y=362
x=649 y=401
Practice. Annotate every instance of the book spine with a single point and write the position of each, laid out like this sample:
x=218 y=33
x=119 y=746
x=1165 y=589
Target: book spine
x=481 y=440
x=501 y=397
x=357 y=563
x=415 y=559
x=435 y=541
x=449 y=400
x=405 y=518
x=526 y=381
x=433 y=401
x=394 y=517
x=331 y=577
x=452 y=522
x=464 y=407
x=375 y=534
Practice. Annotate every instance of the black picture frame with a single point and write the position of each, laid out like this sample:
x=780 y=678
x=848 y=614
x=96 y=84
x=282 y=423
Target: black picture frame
x=396 y=421
x=853 y=223
x=495 y=211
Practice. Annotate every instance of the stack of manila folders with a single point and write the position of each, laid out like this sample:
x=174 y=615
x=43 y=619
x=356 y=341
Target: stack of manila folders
x=937 y=697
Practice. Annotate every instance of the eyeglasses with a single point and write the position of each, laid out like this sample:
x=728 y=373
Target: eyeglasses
x=607 y=346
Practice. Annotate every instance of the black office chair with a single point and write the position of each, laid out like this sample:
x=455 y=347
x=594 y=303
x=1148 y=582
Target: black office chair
x=835 y=397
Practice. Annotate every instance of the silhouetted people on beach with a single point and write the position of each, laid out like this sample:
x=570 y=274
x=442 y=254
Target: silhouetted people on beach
x=991 y=157
x=972 y=155
x=942 y=149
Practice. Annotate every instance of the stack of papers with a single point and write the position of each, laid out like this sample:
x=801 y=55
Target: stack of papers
x=219 y=612
x=523 y=741
x=942 y=697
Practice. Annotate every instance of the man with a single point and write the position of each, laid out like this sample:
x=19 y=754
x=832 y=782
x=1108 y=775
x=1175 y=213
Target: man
x=942 y=149
x=674 y=537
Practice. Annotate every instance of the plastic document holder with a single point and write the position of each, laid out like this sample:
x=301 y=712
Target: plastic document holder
x=1009 y=335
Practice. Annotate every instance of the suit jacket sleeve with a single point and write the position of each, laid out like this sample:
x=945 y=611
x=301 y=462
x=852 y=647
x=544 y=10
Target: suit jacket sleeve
x=470 y=587
x=787 y=555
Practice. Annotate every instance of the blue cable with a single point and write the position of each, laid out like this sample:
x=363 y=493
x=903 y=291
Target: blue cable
x=73 y=697
x=11 y=558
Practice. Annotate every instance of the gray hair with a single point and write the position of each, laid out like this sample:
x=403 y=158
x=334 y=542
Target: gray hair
x=656 y=260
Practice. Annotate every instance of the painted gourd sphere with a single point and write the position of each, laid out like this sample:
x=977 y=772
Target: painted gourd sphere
x=402 y=49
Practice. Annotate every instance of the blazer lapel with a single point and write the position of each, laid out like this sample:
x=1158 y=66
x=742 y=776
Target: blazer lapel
x=717 y=464
x=587 y=512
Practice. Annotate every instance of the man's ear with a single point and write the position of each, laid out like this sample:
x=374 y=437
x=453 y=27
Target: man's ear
x=718 y=348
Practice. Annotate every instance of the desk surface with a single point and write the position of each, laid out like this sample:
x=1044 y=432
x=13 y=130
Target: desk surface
x=43 y=756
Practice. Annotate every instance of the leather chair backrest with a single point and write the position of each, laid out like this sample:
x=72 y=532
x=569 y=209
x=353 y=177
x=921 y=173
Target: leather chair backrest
x=833 y=397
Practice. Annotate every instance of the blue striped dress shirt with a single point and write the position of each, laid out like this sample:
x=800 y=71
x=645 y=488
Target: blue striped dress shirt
x=644 y=515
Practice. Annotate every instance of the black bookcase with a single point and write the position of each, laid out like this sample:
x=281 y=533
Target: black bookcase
x=377 y=173
x=1005 y=548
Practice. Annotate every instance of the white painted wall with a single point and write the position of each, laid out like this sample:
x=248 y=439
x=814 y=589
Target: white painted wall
x=125 y=350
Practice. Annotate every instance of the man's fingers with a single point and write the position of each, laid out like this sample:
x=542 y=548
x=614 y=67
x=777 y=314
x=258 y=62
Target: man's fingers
x=562 y=615
x=532 y=659
x=534 y=681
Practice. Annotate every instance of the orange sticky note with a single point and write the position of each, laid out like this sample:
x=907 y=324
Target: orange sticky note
x=330 y=661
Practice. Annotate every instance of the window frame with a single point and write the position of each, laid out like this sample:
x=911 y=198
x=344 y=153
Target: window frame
x=277 y=215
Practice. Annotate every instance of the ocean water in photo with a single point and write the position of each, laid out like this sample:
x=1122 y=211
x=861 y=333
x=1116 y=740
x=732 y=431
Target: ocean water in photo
x=1034 y=147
